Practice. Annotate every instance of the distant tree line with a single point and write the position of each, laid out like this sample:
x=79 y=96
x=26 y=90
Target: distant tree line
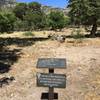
x=28 y=17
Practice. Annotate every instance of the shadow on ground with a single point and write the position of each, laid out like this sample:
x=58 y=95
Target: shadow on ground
x=77 y=36
x=95 y=36
x=8 y=58
x=21 y=42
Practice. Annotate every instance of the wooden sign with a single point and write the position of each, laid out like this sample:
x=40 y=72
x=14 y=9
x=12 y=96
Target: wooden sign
x=51 y=80
x=51 y=63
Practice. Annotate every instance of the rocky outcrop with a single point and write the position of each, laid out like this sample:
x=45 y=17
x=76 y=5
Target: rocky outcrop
x=7 y=3
x=48 y=9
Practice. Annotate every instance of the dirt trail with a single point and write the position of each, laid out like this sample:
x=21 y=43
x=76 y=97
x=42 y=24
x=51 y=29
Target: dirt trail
x=83 y=72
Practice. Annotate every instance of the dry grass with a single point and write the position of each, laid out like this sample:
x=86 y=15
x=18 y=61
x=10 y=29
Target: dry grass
x=83 y=68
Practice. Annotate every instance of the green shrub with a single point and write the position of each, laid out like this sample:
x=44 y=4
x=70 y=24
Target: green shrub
x=20 y=25
x=28 y=33
x=67 y=21
x=56 y=20
x=7 y=22
x=76 y=34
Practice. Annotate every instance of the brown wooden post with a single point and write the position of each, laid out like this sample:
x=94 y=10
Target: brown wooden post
x=51 y=93
x=51 y=89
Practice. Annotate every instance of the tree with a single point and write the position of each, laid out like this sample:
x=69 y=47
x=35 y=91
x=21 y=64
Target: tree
x=34 y=17
x=20 y=25
x=34 y=6
x=7 y=22
x=31 y=16
x=56 y=20
x=86 y=12
x=20 y=10
x=35 y=20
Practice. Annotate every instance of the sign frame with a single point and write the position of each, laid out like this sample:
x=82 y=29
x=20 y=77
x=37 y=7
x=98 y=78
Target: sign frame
x=51 y=63
x=51 y=80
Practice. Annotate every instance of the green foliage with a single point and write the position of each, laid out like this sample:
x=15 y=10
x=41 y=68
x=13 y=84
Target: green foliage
x=20 y=25
x=76 y=34
x=86 y=12
x=7 y=22
x=34 y=7
x=29 y=33
x=35 y=17
x=30 y=16
x=56 y=20
x=67 y=20
x=35 y=20
x=20 y=10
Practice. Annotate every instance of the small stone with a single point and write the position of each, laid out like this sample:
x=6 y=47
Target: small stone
x=61 y=39
x=12 y=95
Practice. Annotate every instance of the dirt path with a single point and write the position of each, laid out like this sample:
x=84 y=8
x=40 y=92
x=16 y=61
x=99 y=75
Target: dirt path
x=83 y=72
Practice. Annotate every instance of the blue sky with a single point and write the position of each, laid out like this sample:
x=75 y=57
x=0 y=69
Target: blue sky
x=54 y=3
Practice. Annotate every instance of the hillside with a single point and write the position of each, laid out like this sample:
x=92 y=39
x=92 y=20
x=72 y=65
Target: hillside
x=7 y=3
x=47 y=9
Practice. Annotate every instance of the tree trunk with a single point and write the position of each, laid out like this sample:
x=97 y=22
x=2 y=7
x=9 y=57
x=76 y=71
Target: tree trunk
x=94 y=29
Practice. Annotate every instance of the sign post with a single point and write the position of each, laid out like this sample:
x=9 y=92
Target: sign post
x=51 y=80
x=51 y=89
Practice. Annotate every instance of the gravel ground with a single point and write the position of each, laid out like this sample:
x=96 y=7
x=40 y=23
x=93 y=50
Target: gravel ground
x=83 y=70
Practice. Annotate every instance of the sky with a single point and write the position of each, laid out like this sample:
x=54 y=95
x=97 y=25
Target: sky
x=53 y=3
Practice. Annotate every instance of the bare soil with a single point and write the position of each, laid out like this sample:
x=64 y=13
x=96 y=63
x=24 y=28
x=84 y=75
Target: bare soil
x=83 y=70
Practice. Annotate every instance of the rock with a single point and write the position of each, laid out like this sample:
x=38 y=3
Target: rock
x=53 y=36
x=6 y=81
x=61 y=39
